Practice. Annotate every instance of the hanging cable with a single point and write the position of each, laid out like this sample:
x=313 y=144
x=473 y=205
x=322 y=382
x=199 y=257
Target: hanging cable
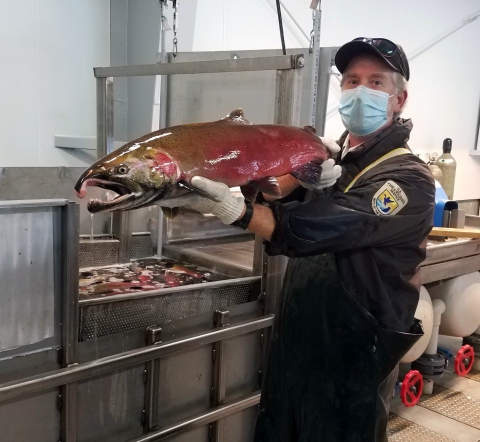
x=280 y=25
x=175 y=27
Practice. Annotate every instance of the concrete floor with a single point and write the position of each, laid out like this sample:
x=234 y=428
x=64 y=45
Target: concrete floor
x=451 y=414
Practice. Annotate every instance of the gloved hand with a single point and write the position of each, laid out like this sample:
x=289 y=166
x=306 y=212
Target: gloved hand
x=330 y=171
x=221 y=203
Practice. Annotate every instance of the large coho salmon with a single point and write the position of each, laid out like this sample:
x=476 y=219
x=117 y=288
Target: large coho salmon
x=231 y=150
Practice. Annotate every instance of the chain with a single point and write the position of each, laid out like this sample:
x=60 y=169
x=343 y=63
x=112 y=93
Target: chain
x=312 y=34
x=175 y=27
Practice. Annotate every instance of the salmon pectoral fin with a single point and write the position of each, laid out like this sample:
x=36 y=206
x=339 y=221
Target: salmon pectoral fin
x=249 y=192
x=309 y=173
x=170 y=212
x=268 y=185
x=188 y=186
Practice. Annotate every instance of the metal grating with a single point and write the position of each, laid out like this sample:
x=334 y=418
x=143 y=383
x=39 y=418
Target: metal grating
x=107 y=319
x=474 y=376
x=141 y=246
x=97 y=253
x=401 y=430
x=453 y=404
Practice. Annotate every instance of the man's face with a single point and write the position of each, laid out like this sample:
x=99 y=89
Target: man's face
x=372 y=72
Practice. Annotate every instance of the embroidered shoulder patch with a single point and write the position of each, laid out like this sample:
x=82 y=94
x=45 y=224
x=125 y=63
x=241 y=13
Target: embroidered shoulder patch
x=389 y=199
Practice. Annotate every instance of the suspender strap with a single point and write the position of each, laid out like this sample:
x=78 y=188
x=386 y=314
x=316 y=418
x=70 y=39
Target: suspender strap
x=391 y=154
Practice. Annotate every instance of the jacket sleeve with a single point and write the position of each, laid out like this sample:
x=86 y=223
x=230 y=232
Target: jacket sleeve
x=350 y=221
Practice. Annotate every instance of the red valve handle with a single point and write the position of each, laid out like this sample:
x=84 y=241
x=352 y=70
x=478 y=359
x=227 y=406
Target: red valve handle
x=412 y=387
x=464 y=360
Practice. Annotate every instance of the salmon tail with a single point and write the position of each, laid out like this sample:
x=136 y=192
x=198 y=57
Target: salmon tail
x=310 y=172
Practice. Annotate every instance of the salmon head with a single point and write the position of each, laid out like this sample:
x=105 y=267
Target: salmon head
x=139 y=173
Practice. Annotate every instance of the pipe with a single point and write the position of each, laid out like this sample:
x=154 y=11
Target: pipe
x=432 y=347
x=315 y=65
x=476 y=362
x=438 y=309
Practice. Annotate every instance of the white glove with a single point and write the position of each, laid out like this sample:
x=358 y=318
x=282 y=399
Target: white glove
x=222 y=203
x=330 y=171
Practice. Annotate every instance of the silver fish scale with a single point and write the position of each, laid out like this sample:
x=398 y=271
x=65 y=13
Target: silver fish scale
x=453 y=404
x=401 y=430
x=107 y=319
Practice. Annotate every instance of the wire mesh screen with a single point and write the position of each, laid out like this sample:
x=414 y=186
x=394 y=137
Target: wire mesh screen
x=117 y=317
x=141 y=246
x=97 y=253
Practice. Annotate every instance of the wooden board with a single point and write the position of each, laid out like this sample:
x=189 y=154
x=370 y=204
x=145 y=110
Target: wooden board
x=456 y=233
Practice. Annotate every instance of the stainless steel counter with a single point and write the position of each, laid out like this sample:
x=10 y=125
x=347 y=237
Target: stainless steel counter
x=445 y=259
x=231 y=256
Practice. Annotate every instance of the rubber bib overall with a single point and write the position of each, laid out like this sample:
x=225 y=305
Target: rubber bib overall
x=329 y=374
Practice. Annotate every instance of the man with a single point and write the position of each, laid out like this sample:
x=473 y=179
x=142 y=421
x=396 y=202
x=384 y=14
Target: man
x=346 y=314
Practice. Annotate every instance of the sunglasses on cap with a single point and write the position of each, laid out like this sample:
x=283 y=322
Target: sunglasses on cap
x=387 y=49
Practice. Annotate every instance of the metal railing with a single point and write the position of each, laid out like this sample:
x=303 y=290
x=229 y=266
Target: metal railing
x=79 y=372
x=67 y=378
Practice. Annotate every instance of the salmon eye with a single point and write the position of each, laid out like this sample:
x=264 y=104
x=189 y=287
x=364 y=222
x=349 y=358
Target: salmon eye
x=122 y=169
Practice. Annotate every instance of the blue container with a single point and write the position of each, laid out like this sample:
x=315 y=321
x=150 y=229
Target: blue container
x=442 y=203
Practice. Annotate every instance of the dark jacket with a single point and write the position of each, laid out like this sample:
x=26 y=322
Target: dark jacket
x=377 y=230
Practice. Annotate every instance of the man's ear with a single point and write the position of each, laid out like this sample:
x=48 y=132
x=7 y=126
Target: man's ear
x=401 y=100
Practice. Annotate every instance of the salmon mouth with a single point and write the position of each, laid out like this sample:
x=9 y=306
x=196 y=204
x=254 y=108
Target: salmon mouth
x=95 y=205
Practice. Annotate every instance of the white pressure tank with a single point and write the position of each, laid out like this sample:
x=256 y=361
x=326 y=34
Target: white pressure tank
x=424 y=312
x=461 y=296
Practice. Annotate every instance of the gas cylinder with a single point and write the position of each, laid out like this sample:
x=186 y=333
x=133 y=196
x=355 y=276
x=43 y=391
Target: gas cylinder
x=461 y=296
x=424 y=312
x=436 y=171
x=448 y=166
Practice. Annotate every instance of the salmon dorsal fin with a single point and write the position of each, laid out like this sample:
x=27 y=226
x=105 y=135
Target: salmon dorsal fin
x=310 y=129
x=236 y=116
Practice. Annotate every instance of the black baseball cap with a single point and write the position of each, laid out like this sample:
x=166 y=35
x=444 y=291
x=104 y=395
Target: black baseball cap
x=390 y=52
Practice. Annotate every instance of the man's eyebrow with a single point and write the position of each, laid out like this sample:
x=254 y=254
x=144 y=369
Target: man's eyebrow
x=378 y=75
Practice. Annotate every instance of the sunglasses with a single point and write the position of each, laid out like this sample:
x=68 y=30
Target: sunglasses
x=386 y=47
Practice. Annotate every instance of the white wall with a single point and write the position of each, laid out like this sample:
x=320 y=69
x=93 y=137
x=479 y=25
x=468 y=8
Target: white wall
x=49 y=47
x=48 y=50
x=444 y=86
x=223 y=25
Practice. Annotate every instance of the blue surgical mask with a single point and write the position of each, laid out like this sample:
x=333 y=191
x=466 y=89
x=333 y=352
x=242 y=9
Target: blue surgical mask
x=363 y=110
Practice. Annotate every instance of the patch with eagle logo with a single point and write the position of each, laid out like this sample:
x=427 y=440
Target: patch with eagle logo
x=389 y=199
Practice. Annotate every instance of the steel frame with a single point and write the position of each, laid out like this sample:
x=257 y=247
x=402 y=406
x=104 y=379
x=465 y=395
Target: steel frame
x=287 y=108
x=78 y=372
x=70 y=323
x=160 y=292
x=122 y=221
x=67 y=241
